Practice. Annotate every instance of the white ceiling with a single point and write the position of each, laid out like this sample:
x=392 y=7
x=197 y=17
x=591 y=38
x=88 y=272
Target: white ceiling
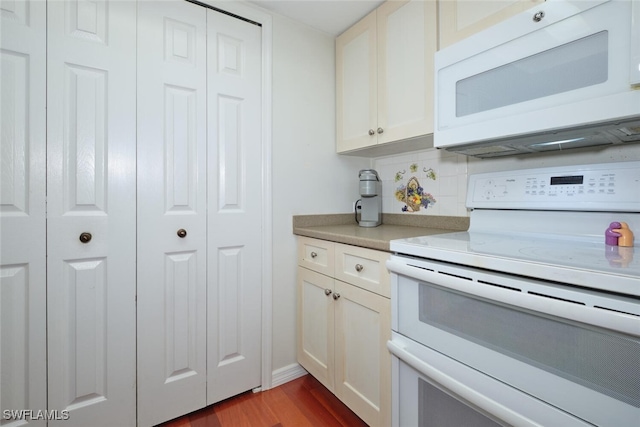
x=330 y=16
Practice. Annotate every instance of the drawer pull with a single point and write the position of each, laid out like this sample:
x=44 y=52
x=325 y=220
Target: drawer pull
x=359 y=267
x=313 y=254
x=336 y=295
x=327 y=292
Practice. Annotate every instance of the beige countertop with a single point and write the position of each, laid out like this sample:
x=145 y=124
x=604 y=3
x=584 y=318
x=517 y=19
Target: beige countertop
x=342 y=228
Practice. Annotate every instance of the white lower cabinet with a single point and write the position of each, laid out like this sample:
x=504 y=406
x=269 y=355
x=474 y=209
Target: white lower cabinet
x=343 y=327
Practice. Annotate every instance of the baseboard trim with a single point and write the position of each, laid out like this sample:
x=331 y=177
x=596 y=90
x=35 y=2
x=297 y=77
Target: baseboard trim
x=286 y=374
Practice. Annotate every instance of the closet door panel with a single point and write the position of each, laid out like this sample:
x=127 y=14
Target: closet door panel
x=235 y=206
x=171 y=210
x=22 y=211
x=91 y=138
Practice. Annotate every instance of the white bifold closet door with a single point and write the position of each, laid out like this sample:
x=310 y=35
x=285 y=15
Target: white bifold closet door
x=172 y=196
x=23 y=318
x=199 y=208
x=91 y=278
x=235 y=206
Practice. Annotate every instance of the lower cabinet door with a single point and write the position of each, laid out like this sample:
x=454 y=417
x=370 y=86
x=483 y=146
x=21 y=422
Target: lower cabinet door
x=316 y=325
x=362 y=361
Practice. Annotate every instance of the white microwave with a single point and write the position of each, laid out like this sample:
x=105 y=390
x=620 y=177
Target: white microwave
x=564 y=74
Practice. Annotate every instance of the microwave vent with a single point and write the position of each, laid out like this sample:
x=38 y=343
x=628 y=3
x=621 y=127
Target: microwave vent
x=591 y=135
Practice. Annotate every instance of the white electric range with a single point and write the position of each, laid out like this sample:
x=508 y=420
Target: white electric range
x=528 y=318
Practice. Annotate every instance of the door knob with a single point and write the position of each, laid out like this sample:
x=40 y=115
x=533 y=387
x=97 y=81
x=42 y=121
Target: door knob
x=538 y=16
x=85 y=237
x=182 y=233
x=336 y=295
x=327 y=292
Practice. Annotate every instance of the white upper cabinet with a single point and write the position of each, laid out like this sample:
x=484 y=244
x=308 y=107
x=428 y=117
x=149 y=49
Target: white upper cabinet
x=384 y=76
x=460 y=19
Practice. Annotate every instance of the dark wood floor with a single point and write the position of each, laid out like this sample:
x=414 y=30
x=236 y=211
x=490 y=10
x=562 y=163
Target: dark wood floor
x=298 y=403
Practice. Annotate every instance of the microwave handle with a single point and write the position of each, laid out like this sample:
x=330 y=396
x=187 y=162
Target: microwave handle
x=634 y=54
x=470 y=395
x=607 y=319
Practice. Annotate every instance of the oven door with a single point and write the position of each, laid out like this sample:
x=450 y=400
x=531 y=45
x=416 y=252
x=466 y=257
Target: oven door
x=575 y=350
x=432 y=390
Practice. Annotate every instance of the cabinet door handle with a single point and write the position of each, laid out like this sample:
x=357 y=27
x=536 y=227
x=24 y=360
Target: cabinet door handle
x=327 y=292
x=85 y=237
x=336 y=296
x=359 y=267
x=182 y=233
x=372 y=132
x=313 y=254
x=380 y=130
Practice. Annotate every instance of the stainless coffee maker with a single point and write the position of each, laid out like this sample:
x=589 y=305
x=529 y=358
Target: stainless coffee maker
x=370 y=205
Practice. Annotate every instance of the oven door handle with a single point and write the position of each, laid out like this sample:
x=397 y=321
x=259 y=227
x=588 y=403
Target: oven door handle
x=490 y=406
x=608 y=319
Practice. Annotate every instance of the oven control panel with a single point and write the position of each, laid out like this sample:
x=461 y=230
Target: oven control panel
x=600 y=187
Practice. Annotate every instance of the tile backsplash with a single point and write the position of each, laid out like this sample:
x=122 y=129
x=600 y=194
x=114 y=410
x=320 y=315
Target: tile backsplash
x=429 y=182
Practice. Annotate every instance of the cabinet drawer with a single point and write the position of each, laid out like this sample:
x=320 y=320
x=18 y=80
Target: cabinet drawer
x=364 y=268
x=316 y=255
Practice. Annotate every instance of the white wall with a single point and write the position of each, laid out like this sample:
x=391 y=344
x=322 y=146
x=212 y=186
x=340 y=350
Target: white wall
x=308 y=176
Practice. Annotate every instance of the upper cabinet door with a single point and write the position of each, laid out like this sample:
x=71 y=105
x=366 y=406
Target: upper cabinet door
x=22 y=208
x=460 y=19
x=356 y=85
x=406 y=46
x=91 y=210
x=384 y=76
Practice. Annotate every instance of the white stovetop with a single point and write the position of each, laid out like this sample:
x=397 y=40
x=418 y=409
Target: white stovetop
x=580 y=259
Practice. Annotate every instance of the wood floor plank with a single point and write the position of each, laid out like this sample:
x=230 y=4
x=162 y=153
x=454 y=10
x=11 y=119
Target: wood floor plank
x=252 y=406
x=303 y=402
x=328 y=400
x=301 y=394
x=231 y=412
x=204 y=418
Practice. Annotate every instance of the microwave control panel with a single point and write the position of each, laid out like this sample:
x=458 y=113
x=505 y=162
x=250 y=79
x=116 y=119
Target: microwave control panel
x=601 y=187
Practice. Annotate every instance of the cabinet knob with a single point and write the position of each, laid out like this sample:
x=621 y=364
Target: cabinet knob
x=313 y=254
x=372 y=132
x=182 y=233
x=336 y=296
x=538 y=16
x=327 y=292
x=359 y=267
x=380 y=130
x=85 y=237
